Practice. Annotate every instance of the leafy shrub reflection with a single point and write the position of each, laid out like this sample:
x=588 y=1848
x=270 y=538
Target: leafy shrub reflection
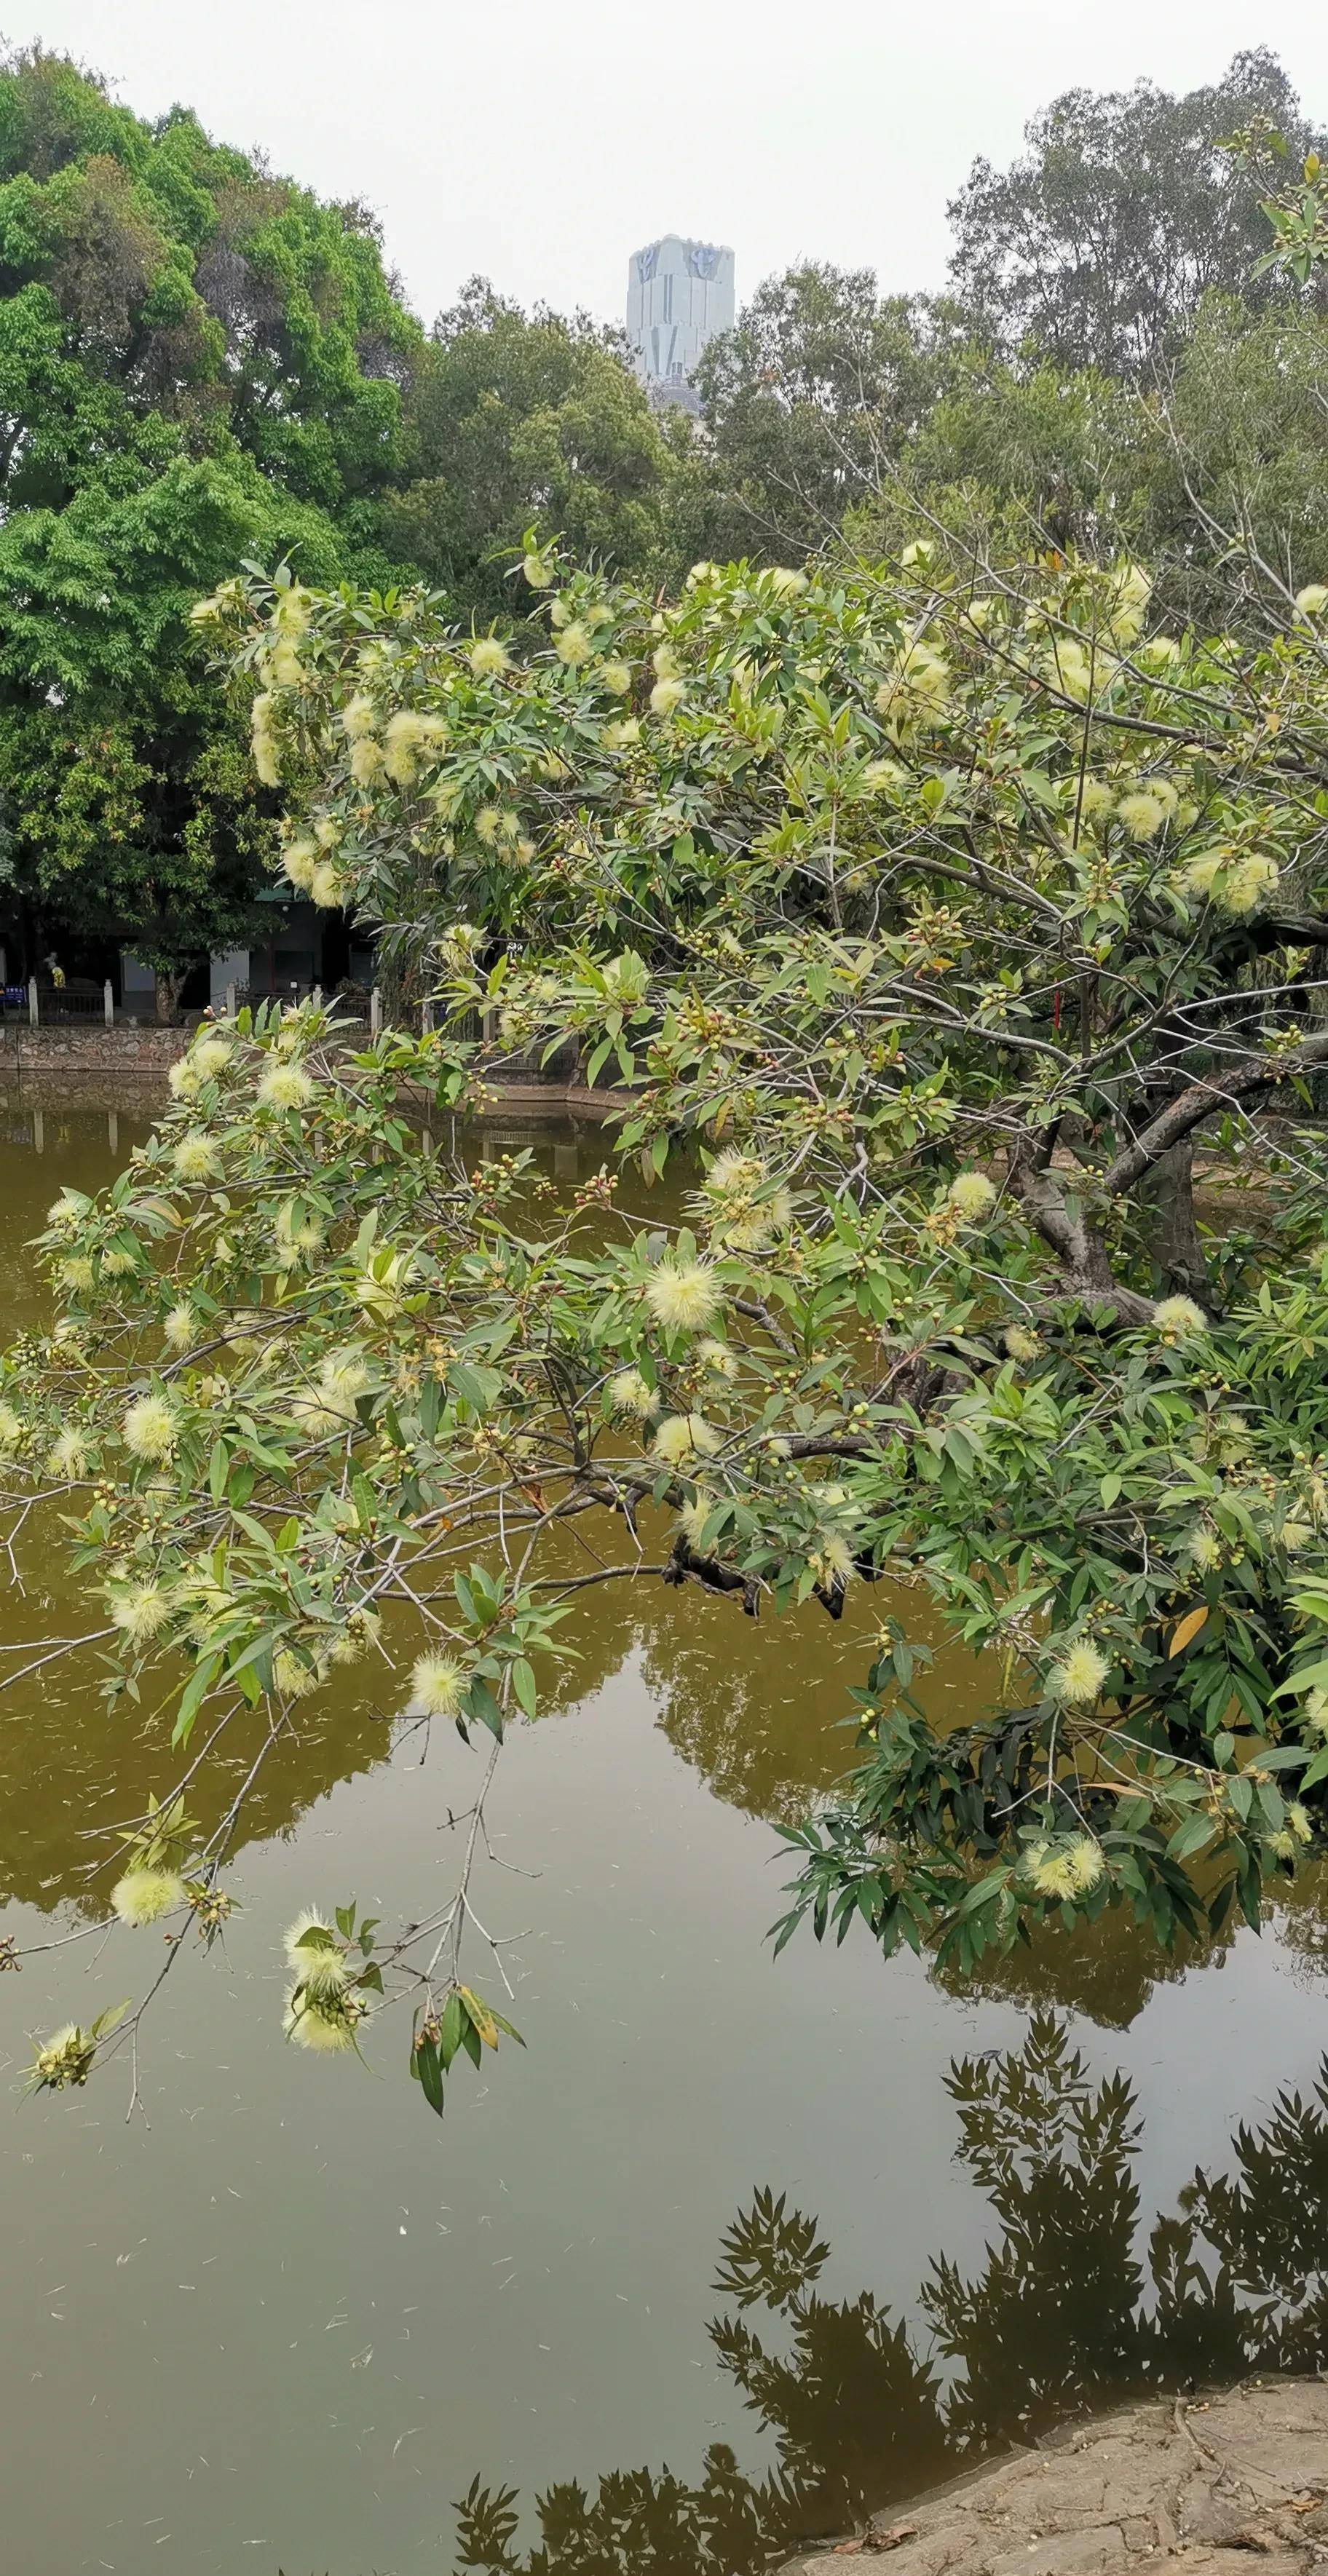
x=1068 y=2311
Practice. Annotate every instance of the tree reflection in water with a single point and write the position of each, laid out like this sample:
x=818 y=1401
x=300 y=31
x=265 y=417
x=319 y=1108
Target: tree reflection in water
x=1068 y=2312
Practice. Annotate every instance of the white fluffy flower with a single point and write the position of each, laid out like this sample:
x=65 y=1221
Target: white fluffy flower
x=195 y=1157
x=628 y=1392
x=151 y=1428
x=682 y=1436
x=439 y=1683
x=488 y=658
x=143 y=1895
x=973 y=1195
x=1178 y=1317
x=285 y=1086
x=683 y=1296
x=1078 y=1678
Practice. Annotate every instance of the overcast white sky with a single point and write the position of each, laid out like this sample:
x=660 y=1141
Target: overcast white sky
x=538 y=142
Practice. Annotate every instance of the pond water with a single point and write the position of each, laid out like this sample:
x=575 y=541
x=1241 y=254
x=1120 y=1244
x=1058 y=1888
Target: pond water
x=735 y=2251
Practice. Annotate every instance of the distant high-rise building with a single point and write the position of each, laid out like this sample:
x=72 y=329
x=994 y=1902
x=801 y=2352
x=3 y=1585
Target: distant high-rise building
x=679 y=294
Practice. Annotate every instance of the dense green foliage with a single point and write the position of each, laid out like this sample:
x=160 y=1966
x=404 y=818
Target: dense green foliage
x=812 y=400
x=1219 y=483
x=197 y=364
x=512 y=419
x=1099 y=245
x=1117 y=362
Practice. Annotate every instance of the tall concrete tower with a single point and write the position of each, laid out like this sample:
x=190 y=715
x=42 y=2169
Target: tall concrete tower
x=679 y=294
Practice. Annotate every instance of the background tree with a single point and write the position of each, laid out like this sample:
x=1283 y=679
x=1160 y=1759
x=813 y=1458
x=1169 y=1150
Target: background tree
x=134 y=809
x=1053 y=459
x=1099 y=245
x=1238 y=454
x=197 y=362
x=514 y=419
x=1214 y=470
x=172 y=310
x=805 y=403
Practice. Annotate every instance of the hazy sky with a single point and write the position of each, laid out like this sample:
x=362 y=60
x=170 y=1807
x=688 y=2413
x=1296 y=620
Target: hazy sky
x=538 y=142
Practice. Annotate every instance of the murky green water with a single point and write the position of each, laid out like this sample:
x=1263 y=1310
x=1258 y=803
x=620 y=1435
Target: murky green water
x=736 y=2250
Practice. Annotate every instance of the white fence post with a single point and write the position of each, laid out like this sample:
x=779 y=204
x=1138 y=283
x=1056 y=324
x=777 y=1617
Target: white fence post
x=426 y=1019
x=108 y=1003
x=230 y=1001
x=32 y=1001
x=375 y=1013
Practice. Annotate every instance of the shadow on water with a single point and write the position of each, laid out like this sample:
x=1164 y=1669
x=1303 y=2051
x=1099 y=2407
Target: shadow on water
x=1067 y=2312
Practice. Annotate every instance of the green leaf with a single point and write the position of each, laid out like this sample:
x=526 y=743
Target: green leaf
x=1190 y=1837
x=425 y=2066
x=192 y=1697
x=449 y=2028
x=481 y=1704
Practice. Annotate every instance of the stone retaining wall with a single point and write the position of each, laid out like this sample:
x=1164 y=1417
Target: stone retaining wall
x=73 y=1058
x=74 y=1046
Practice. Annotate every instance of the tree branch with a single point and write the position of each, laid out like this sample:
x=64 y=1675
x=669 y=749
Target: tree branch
x=1198 y=1102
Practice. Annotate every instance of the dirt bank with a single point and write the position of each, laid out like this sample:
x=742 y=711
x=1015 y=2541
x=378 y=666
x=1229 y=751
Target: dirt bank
x=1233 y=2485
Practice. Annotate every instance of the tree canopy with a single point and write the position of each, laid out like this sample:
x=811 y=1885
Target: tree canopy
x=1099 y=244
x=198 y=363
x=948 y=915
x=937 y=913
x=513 y=419
x=818 y=390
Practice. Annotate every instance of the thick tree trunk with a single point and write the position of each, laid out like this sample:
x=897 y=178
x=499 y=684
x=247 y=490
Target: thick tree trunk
x=1077 y=1245
x=401 y=989
x=167 y=995
x=1171 y=1228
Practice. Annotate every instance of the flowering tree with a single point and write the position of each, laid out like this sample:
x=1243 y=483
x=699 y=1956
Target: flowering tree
x=934 y=912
